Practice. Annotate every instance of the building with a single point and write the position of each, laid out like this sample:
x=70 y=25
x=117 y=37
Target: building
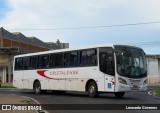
x=153 y=65
x=12 y=44
x=62 y=45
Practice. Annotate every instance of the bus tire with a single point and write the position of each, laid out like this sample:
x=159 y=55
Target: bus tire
x=37 y=88
x=119 y=94
x=92 y=89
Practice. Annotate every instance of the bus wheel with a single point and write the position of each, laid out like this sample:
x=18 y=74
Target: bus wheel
x=119 y=94
x=92 y=89
x=37 y=87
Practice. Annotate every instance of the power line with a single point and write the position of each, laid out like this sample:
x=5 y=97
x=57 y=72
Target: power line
x=146 y=44
x=94 y=27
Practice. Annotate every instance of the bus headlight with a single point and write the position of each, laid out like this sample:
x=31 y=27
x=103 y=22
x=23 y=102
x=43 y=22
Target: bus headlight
x=122 y=80
x=145 y=82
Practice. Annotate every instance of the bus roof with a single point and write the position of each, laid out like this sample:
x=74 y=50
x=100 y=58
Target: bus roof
x=74 y=49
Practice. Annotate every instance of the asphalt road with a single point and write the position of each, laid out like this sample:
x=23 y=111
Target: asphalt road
x=82 y=98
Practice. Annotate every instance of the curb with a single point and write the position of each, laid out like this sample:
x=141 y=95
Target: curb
x=33 y=100
x=7 y=88
x=29 y=98
x=151 y=94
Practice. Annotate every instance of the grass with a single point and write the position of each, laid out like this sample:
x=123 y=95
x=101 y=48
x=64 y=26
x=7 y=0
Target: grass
x=158 y=92
x=7 y=87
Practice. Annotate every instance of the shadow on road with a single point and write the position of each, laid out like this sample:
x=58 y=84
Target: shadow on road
x=83 y=95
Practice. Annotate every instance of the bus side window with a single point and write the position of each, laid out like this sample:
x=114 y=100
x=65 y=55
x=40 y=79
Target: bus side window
x=52 y=60
x=88 y=57
x=66 y=59
x=74 y=58
x=59 y=60
x=34 y=62
x=83 y=57
x=18 y=64
x=43 y=61
x=93 y=57
x=26 y=62
x=70 y=59
x=39 y=62
x=106 y=60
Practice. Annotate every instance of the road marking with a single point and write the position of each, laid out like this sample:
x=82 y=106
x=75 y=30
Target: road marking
x=12 y=90
x=150 y=93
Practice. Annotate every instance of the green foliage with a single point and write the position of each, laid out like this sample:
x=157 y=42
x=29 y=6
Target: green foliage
x=158 y=91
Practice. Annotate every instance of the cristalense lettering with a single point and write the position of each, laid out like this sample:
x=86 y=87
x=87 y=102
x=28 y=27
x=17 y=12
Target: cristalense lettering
x=68 y=72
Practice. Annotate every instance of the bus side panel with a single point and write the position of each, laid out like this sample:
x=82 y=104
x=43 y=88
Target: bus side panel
x=109 y=83
x=72 y=84
x=60 y=84
x=98 y=78
x=89 y=73
x=100 y=84
x=51 y=84
x=30 y=83
x=18 y=79
x=71 y=79
x=31 y=76
x=26 y=79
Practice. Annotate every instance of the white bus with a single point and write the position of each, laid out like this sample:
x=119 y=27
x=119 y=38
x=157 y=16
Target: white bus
x=96 y=69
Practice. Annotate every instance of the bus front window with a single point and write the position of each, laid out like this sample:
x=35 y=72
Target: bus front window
x=131 y=62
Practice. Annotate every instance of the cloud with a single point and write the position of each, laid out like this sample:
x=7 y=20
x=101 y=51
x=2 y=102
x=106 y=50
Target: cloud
x=62 y=13
x=46 y=14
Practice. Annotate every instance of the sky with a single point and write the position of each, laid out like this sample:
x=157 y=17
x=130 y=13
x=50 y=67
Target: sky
x=45 y=19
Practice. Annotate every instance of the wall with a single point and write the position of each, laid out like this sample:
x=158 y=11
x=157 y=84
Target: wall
x=153 y=71
x=12 y=43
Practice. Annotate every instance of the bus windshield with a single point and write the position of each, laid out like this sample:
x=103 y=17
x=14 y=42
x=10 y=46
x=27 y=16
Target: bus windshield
x=131 y=62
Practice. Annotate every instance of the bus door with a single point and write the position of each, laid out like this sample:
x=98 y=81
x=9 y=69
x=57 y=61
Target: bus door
x=106 y=64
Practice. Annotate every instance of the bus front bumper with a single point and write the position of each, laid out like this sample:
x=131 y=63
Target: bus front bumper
x=128 y=88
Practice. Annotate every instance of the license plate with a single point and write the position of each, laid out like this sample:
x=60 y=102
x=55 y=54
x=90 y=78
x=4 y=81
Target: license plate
x=135 y=86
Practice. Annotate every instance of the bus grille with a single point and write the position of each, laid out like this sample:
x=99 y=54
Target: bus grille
x=134 y=84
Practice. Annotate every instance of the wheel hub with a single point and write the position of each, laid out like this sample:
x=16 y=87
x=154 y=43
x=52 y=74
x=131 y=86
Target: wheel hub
x=92 y=89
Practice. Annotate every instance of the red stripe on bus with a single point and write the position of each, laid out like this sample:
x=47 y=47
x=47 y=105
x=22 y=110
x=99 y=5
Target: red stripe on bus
x=41 y=73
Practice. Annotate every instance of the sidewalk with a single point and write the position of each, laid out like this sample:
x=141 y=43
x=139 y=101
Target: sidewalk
x=14 y=99
x=154 y=84
x=7 y=84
